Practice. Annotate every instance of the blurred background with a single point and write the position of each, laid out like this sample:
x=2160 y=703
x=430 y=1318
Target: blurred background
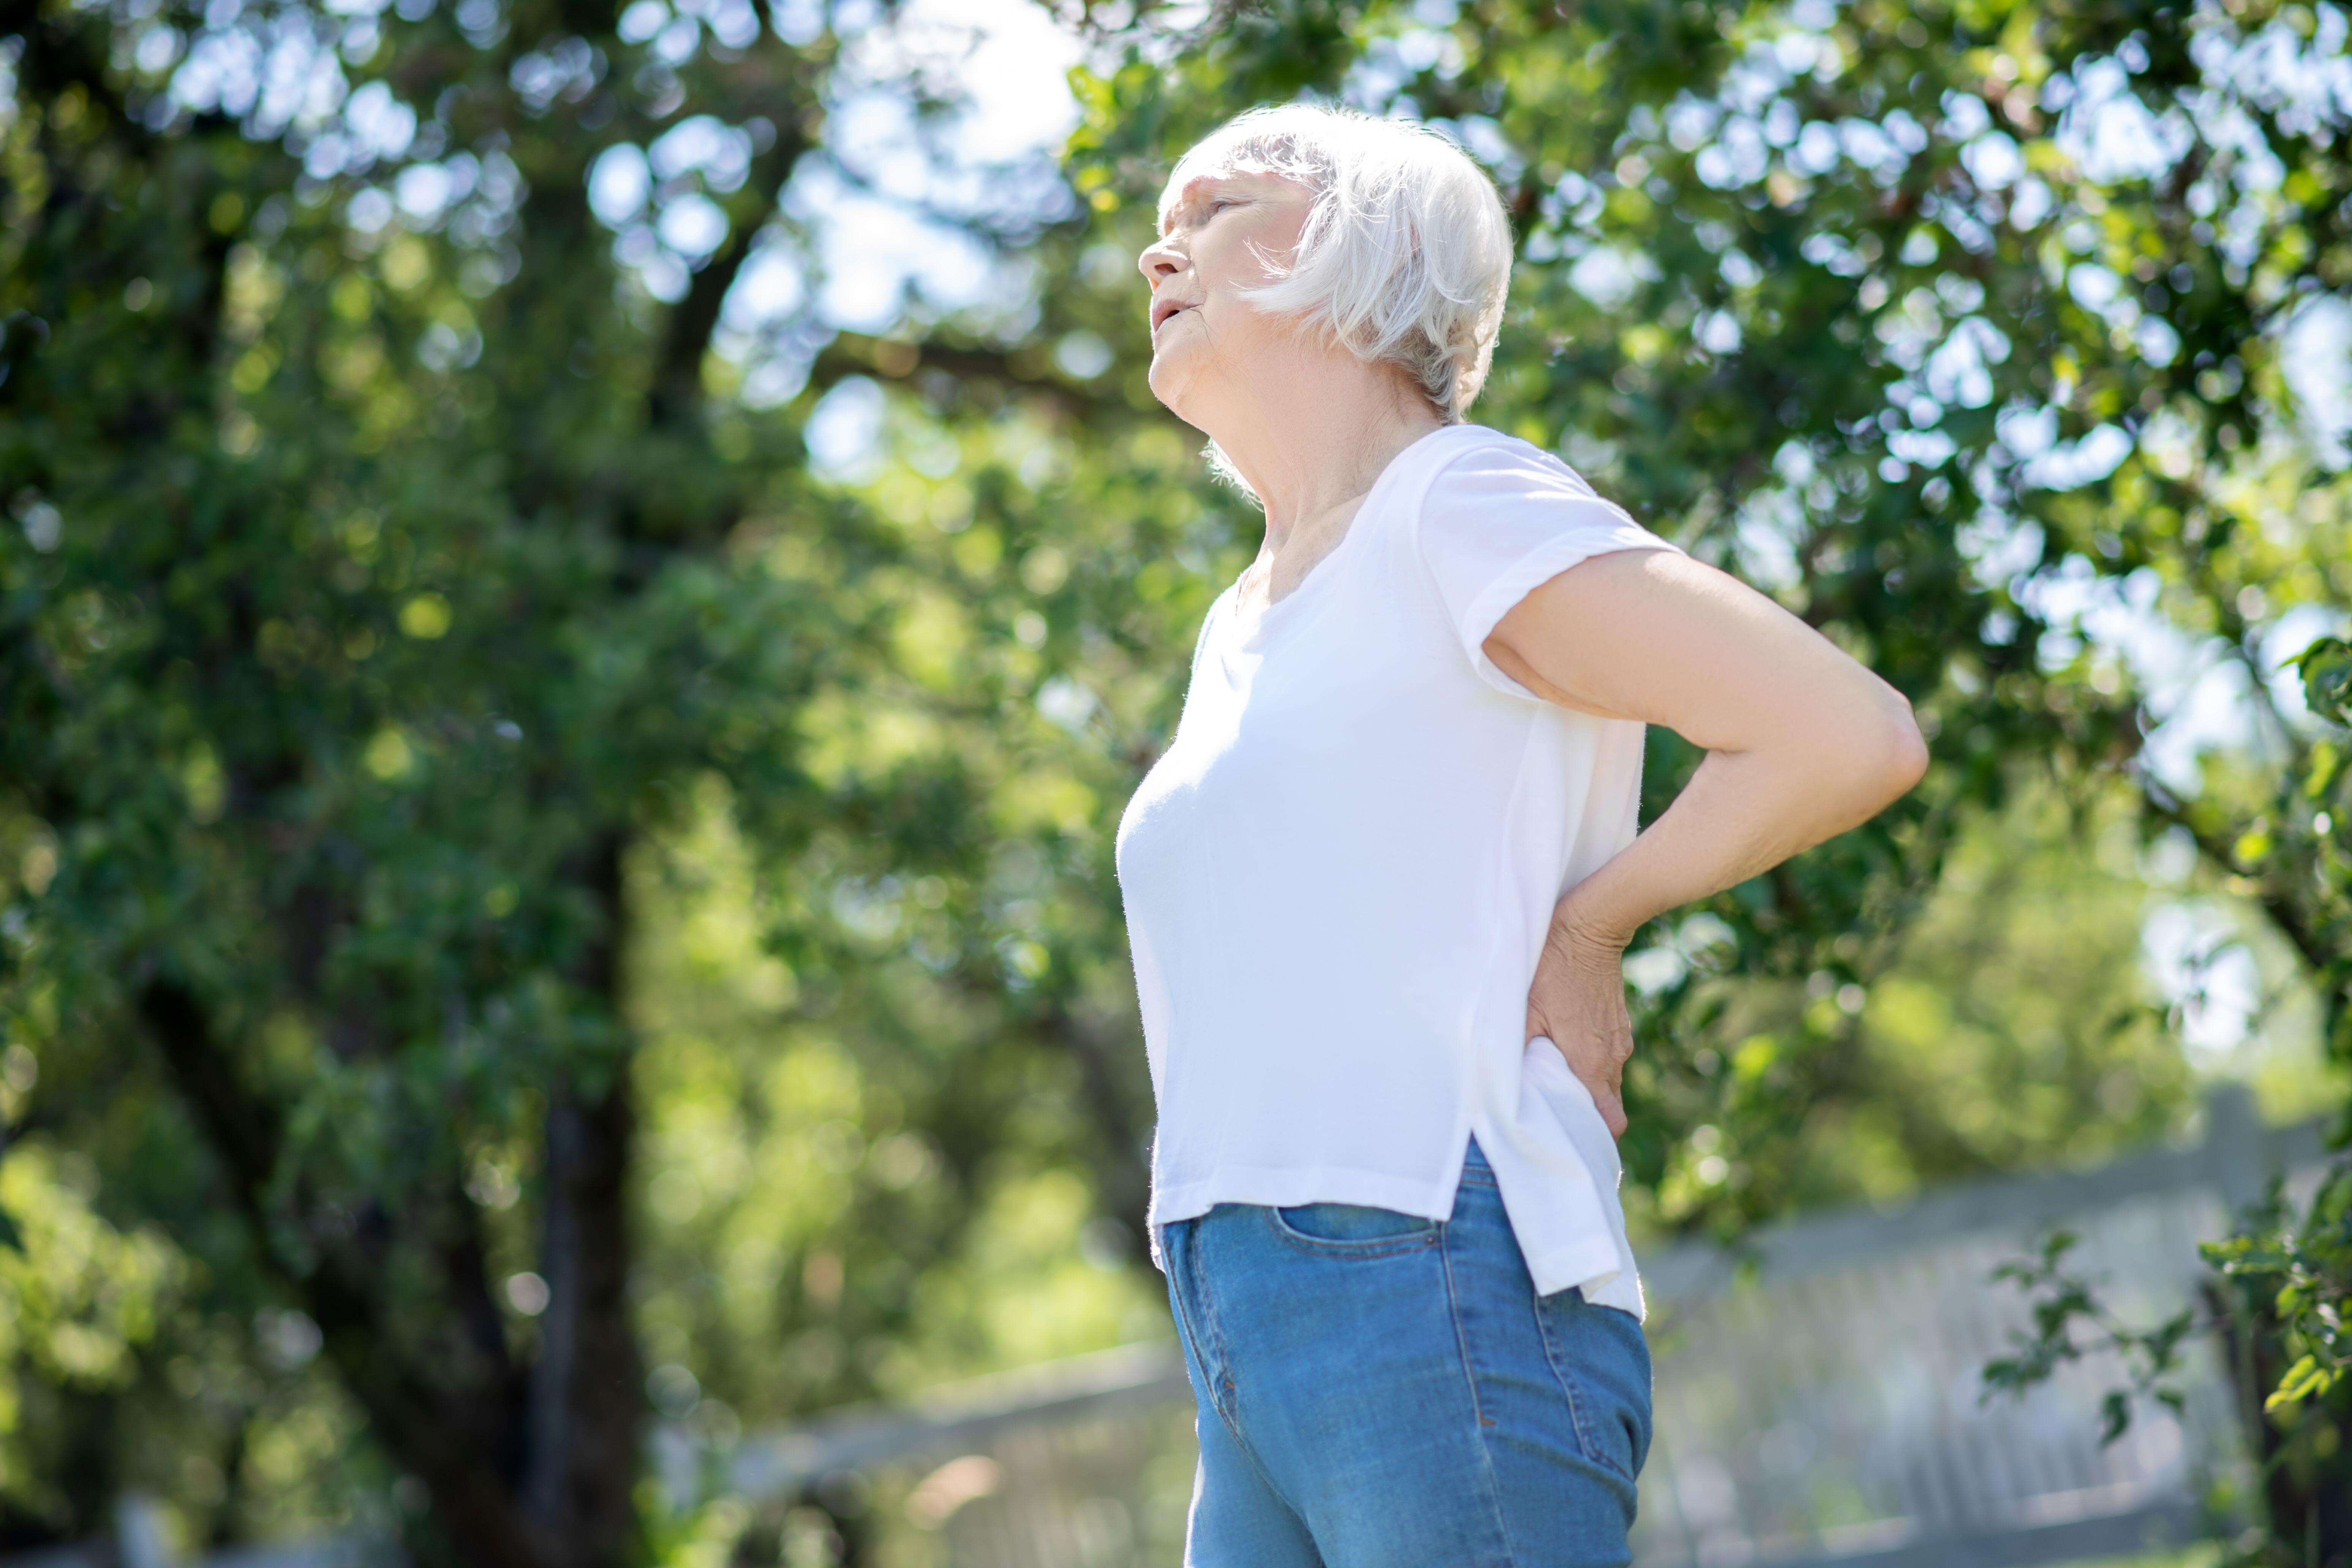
x=584 y=585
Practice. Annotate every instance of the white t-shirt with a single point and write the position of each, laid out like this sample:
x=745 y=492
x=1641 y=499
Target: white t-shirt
x=1339 y=875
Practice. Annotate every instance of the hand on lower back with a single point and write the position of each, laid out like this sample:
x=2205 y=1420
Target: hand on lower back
x=1578 y=1002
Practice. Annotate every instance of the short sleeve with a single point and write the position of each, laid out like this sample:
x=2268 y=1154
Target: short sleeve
x=1500 y=520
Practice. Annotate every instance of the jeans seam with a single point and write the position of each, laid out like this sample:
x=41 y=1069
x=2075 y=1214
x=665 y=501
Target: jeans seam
x=1478 y=1412
x=1209 y=1372
x=1228 y=1409
x=1216 y=1337
x=1210 y=1376
x=1554 y=1358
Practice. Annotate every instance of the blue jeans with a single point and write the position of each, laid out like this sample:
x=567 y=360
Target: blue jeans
x=1378 y=1391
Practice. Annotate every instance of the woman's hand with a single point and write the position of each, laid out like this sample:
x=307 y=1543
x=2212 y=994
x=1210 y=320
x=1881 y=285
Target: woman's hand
x=1578 y=1002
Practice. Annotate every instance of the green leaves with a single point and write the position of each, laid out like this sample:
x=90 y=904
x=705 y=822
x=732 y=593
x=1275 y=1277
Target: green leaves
x=2306 y=1379
x=2297 y=1267
x=2066 y=1305
x=2326 y=667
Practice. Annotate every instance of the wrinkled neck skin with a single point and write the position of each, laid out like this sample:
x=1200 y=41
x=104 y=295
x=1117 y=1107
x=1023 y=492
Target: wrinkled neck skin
x=1308 y=423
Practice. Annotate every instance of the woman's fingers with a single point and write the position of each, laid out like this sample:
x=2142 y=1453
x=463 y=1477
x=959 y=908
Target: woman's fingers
x=1579 y=1006
x=1611 y=1106
x=1601 y=1071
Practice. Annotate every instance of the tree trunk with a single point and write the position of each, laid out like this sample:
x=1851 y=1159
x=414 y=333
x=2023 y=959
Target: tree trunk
x=535 y=1469
x=585 y=1399
x=586 y=1391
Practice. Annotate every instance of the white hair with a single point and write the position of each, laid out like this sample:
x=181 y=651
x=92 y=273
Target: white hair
x=1405 y=255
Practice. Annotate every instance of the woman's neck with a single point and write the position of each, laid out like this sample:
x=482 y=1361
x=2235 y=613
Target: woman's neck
x=1316 y=436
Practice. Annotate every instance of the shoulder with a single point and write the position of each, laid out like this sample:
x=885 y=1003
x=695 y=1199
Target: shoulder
x=1500 y=507
x=1473 y=465
x=1483 y=480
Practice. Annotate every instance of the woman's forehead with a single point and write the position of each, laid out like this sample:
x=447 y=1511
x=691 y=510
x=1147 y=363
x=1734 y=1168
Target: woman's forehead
x=1199 y=182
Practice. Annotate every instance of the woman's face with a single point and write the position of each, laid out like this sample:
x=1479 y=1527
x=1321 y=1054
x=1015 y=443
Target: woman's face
x=1205 y=337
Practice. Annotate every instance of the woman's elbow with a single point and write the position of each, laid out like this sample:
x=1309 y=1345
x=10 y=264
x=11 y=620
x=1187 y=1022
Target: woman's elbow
x=1897 y=750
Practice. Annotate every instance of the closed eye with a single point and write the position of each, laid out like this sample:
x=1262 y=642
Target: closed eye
x=1197 y=208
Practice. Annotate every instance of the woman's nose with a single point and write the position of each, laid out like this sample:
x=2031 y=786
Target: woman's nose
x=1159 y=262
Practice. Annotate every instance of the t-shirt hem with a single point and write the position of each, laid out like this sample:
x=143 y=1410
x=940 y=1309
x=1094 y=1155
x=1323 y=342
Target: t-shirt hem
x=1593 y=1266
x=1289 y=1187
x=1596 y=1265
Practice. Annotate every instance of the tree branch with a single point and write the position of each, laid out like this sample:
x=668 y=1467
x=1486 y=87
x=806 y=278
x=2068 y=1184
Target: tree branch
x=2293 y=922
x=676 y=389
x=857 y=354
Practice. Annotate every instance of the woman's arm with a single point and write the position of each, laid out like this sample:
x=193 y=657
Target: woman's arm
x=1802 y=743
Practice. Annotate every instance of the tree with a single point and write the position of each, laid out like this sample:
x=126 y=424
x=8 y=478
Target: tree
x=417 y=554
x=379 y=584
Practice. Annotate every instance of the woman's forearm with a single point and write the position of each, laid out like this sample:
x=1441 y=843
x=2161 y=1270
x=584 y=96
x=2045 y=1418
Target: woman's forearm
x=1801 y=741
x=1741 y=814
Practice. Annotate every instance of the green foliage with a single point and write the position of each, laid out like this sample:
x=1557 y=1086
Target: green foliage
x=78 y=1301
x=2007 y=1025
x=2286 y=1275
x=2277 y=1306
x=348 y=649
x=2064 y=1304
x=2326 y=667
x=510 y=868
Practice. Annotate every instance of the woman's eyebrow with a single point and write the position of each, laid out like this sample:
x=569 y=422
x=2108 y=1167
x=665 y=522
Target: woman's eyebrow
x=1187 y=197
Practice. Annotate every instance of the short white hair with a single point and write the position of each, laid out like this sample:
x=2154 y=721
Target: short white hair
x=1406 y=255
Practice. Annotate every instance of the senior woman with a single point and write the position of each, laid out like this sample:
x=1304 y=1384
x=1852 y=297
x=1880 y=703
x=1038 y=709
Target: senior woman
x=1378 y=884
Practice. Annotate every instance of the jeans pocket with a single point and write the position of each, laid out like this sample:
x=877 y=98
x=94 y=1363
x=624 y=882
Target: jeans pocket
x=1351 y=1229
x=1603 y=1362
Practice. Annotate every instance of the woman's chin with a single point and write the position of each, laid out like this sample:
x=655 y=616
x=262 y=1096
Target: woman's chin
x=1170 y=379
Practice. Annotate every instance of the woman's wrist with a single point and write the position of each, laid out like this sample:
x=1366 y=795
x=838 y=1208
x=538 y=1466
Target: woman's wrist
x=1580 y=933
